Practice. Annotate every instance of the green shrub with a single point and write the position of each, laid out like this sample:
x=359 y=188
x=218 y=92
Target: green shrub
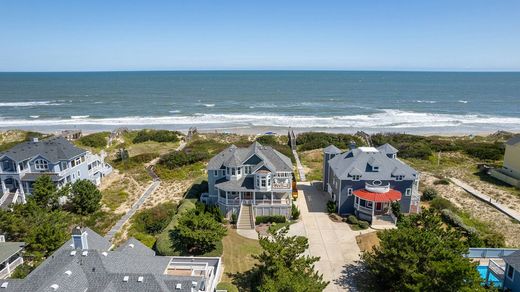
x=316 y=140
x=177 y=159
x=234 y=218
x=157 y=136
x=295 y=212
x=270 y=219
x=154 y=220
x=442 y=181
x=227 y=287
x=267 y=140
x=331 y=207
x=485 y=151
x=146 y=239
x=429 y=194
x=22 y=271
x=96 y=140
x=441 y=203
x=363 y=224
x=351 y=219
x=163 y=245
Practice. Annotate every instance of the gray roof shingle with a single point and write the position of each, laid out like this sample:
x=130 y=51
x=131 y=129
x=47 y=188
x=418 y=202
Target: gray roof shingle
x=53 y=149
x=513 y=260
x=358 y=160
x=514 y=140
x=331 y=149
x=7 y=249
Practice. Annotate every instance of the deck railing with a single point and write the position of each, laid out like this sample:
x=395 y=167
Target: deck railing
x=496 y=269
x=255 y=202
x=489 y=252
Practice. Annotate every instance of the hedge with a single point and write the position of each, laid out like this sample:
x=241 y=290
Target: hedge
x=163 y=245
x=157 y=136
x=270 y=219
x=95 y=140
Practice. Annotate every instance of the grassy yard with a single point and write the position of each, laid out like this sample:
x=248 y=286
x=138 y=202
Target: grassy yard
x=114 y=196
x=313 y=162
x=237 y=254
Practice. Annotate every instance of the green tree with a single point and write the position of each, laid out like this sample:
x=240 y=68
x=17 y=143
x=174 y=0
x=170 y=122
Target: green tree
x=283 y=267
x=85 y=198
x=44 y=192
x=48 y=233
x=197 y=233
x=421 y=255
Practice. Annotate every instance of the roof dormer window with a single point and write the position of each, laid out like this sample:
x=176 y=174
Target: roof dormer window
x=41 y=164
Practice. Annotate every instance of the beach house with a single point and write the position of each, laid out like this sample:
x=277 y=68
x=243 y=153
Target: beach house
x=256 y=181
x=10 y=256
x=365 y=181
x=510 y=171
x=87 y=262
x=56 y=157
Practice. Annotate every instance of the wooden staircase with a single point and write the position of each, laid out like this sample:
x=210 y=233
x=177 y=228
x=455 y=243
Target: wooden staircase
x=245 y=218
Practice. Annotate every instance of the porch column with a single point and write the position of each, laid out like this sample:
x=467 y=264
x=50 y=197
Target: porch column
x=240 y=198
x=254 y=198
x=4 y=189
x=271 y=198
x=226 y=198
x=373 y=208
x=22 y=192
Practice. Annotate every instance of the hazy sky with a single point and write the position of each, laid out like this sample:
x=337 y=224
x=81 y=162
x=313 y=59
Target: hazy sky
x=74 y=35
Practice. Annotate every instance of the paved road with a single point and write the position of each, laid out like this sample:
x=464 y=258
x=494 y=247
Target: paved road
x=511 y=213
x=335 y=243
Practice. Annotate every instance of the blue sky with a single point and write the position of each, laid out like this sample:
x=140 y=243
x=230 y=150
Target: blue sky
x=91 y=35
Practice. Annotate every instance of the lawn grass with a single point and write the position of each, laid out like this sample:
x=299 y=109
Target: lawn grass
x=196 y=170
x=314 y=161
x=152 y=147
x=237 y=254
x=114 y=196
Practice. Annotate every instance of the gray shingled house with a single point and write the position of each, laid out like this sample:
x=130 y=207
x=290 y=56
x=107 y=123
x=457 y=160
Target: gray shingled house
x=365 y=180
x=87 y=263
x=257 y=179
x=56 y=157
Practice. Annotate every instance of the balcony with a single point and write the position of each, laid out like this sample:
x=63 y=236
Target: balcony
x=377 y=188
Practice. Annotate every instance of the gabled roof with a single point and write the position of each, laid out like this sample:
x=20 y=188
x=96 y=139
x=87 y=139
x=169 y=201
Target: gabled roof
x=356 y=161
x=234 y=156
x=387 y=149
x=514 y=140
x=7 y=249
x=53 y=149
x=513 y=260
x=134 y=246
x=331 y=149
x=246 y=183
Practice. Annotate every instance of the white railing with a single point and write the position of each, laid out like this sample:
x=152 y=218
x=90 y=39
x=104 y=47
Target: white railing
x=16 y=195
x=496 y=269
x=254 y=202
x=489 y=252
x=363 y=209
x=380 y=189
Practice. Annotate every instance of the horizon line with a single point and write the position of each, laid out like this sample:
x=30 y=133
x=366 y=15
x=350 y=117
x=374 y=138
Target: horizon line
x=278 y=70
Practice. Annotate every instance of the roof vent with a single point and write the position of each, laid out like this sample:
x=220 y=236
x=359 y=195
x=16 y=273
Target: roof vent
x=131 y=245
x=104 y=253
x=73 y=253
x=178 y=286
x=4 y=284
x=84 y=253
x=68 y=272
x=54 y=287
x=125 y=278
x=140 y=279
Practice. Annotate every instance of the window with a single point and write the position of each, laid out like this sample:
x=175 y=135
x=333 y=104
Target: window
x=41 y=164
x=233 y=171
x=349 y=191
x=510 y=272
x=399 y=177
x=375 y=168
x=79 y=174
x=369 y=204
x=239 y=171
x=408 y=192
x=215 y=172
x=263 y=182
x=356 y=177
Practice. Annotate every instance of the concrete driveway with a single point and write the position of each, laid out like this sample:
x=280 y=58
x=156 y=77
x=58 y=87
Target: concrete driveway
x=334 y=243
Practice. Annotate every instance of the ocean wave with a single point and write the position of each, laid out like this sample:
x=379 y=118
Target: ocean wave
x=174 y=111
x=26 y=103
x=463 y=101
x=208 y=104
x=386 y=119
x=426 y=101
x=79 y=117
x=34 y=117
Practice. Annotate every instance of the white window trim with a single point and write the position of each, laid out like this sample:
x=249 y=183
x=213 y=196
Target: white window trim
x=349 y=192
x=41 y=164
x=356 y=177
x=408 y=192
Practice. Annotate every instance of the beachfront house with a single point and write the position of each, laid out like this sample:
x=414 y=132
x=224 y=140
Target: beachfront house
x=256 y=180
x=365 y=181
x=87 y=262
x=512 y=271
x=56 y=157
x=510 y=172
x=10 y=256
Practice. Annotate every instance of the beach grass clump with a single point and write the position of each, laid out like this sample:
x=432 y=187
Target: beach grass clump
x=317 y=140
x=157 y=136
x=95 y=140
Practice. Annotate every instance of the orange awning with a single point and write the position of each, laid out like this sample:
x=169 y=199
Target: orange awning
x=391 y=195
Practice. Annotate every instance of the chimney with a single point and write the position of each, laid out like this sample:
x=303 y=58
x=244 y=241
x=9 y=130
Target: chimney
x=352 y=145
x=79 y=238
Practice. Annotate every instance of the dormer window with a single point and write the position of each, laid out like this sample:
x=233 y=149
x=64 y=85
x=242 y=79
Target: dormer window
x=40 y=164
x=375 y=168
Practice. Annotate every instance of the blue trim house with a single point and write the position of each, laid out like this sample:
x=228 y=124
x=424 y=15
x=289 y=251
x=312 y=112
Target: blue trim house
x=56 y=157
x=512 y=272
x=365 y=180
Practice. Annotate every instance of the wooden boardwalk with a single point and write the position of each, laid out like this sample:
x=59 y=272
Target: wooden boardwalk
x=509 y=212
x=299 y=165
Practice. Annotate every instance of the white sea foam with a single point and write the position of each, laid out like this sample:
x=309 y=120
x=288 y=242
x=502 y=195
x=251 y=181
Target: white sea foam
x=174 y=111
x=426 y=101
x=79 y=117
x=386 y=119
x=34 y=117
x=208 y=104
x=26 y=103
x=463 y=101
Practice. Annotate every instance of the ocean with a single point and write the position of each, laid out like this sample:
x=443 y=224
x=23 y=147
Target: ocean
x=258 y=101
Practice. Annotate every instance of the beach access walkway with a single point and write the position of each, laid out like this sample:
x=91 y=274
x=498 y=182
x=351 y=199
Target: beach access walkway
x=299 y=166
x=156 y=181
x=509 y=212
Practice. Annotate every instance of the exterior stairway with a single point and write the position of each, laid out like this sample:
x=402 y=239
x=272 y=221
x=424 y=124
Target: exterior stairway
x=245 y=218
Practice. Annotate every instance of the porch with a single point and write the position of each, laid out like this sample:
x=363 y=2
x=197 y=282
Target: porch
x=374 y=204
x=253 y=198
